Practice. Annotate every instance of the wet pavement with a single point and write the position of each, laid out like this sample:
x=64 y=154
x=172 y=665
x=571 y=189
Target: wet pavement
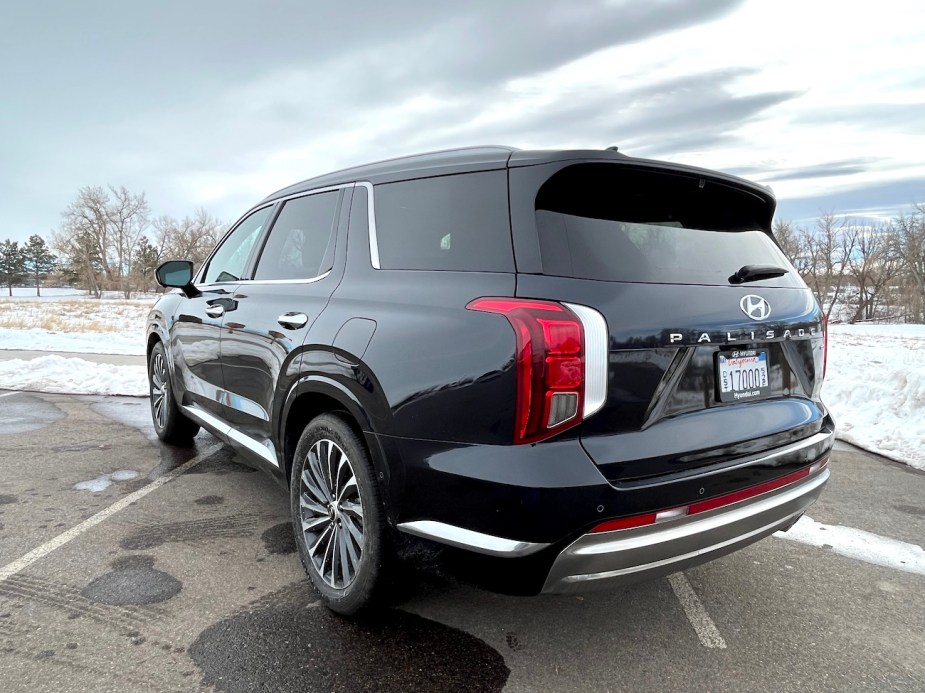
x=197 y=585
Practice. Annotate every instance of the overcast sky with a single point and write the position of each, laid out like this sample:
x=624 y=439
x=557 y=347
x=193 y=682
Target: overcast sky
x=216 y=104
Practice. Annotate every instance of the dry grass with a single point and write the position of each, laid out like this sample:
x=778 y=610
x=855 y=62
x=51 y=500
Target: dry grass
x=74 y=314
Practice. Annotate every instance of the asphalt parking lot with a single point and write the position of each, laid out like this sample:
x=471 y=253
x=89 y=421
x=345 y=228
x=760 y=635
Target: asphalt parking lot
x=195 y=584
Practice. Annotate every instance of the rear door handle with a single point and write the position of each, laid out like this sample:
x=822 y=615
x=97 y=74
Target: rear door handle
x=293 y=320
x=216 y=311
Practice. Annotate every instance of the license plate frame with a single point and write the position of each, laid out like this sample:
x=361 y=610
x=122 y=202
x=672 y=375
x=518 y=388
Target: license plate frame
x=742 y=375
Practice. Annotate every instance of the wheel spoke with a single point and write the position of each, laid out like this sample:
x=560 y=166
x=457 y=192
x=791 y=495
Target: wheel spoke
x=329 y=469
x=314 y=523
x=354 y=509
x=355 y=531
x=320 y=538
x=329 y=555
x=343 y=463
x=309 y=483
x=349 y=539
x=306 y=502
x=345 y=567
x=351 y=485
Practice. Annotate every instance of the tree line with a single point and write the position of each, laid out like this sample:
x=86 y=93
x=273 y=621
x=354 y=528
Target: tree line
x=859 y=271
x=108 y=241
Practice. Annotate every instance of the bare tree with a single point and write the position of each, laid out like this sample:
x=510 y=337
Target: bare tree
x=828 y=248
x=872 y=267
x=187 y=238
x=100 y=232
x=910 y=247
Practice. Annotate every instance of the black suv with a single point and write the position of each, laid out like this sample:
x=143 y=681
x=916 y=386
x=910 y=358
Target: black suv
x=586 y=366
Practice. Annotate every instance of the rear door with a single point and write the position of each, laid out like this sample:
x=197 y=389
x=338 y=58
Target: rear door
x=296 y=273
x=703 y=365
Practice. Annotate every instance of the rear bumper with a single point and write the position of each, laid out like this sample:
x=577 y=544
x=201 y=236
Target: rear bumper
x=632 y=555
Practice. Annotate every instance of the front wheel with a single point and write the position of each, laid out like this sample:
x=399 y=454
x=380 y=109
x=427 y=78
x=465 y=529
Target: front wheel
x=338 y=516
x=170 y=424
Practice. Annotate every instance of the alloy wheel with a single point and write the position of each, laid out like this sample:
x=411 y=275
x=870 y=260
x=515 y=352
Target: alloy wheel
x=159 y=390
x=331 y=514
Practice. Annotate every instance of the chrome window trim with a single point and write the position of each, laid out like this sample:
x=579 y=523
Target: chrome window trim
x=258 y=282
x=468 y=539
x=197 y=280
x=371 y=222
x=305 y=193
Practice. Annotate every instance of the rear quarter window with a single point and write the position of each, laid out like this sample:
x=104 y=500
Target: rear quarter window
x=458 y=223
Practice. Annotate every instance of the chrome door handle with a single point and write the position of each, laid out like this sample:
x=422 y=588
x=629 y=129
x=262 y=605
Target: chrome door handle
x=215 y=311
x=293 y=320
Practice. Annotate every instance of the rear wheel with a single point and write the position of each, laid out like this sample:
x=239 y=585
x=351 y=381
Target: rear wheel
x=170 y=424
x=338 y=517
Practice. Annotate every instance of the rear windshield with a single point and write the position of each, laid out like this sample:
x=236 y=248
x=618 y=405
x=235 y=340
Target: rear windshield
x=614 y=223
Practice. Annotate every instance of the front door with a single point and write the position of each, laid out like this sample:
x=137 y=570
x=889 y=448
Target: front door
x=262 y=339
x=196 y=333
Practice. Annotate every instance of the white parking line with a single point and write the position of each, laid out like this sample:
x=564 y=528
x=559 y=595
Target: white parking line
x=856 y=543
x=7 y=394
x=703 y=625
x=36 y=554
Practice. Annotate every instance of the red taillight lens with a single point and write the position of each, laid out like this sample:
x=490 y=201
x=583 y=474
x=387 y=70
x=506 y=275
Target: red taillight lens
x=550 y=364
x=825 y=344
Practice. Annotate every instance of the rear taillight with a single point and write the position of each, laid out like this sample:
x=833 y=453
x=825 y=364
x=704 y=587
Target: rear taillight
x=825 y=344
x=557 y=386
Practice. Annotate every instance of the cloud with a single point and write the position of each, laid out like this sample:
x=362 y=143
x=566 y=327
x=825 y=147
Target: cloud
x=878 y=200
x=846 y=167
x=218 y=103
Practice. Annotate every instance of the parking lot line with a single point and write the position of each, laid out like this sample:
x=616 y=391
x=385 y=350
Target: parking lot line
x=24 y=562
x=696 y=613
x=7 y=394
x=858 y=544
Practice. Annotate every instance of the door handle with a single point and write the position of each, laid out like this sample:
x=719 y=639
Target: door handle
x=293 y=320
x=215 y=311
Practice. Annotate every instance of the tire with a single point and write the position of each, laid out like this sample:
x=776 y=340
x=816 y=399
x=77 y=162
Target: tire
x=336 y=503
x=170 y=424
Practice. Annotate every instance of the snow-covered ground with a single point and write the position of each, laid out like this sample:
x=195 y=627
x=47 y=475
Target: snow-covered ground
x=875 y=385
x=54 y=373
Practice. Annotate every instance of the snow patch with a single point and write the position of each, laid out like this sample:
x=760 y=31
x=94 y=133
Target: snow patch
x=875 y=387
x=35 y=339
x=73 y=375
x=101 y=483
x=856 y=543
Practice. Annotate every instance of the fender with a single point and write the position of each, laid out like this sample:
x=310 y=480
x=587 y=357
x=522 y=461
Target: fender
x=339 y=390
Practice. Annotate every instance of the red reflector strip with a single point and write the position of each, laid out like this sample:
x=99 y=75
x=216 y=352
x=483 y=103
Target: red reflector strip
x=745 y=493
x=626 y=523
x=710 y=504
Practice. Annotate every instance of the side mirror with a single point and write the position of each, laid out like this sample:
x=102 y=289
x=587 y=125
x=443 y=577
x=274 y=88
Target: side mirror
x=177 y=274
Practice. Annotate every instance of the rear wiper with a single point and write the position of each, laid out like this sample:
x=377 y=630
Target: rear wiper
x=752 y=273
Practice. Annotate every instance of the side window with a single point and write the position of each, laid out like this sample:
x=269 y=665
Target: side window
x=456 y=223
x=301 y=242
x=229 y=261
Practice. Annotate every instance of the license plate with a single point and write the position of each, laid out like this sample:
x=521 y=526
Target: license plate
x=742 y=375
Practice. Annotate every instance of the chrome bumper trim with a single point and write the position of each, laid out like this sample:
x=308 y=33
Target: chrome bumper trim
x=631 y=555
x=467 y=539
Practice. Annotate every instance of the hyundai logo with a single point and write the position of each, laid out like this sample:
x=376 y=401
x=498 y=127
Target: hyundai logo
x=755 y=307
